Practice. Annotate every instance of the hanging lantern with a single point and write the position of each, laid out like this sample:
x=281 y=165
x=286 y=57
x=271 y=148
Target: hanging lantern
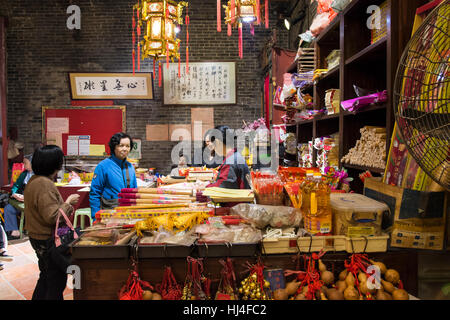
x=238 y=12
x=160 y=21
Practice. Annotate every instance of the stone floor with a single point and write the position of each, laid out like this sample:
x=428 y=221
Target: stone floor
x=19 y=276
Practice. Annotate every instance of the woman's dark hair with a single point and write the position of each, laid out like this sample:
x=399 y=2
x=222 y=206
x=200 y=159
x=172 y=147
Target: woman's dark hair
x=224 y=134
x=115 y=140
x=47 y=159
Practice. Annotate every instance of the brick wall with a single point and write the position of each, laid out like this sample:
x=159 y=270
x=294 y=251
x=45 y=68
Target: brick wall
x=41 y=51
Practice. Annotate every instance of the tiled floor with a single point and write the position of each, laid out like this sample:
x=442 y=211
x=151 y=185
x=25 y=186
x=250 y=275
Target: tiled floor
x=18 y=277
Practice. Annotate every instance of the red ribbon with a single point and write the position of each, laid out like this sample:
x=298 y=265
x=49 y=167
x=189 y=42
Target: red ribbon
x=232 y=9
x=229 y=29
x=258 y=12
x=138 y=42
x=219 y=20
x=241 y=53
x=159 y=75
x=266 y=17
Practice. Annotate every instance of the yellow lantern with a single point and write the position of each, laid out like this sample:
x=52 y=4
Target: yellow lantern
x=159 y=20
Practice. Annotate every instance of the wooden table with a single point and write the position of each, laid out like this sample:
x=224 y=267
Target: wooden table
x=101 y=279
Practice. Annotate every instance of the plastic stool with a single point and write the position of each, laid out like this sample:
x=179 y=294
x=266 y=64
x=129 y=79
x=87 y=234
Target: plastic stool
x=80 y=213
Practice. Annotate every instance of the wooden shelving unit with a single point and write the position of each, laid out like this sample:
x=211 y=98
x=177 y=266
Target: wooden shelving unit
x=371 y=66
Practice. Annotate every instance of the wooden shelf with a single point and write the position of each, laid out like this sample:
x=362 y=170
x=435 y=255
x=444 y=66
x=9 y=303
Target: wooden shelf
x=328 y=117
x=325 y=34
x=300 y=122
x=363 y=168
x=369 y=53
x=329 y=75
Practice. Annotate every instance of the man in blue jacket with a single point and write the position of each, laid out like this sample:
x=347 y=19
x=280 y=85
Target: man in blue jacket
x=112 y=175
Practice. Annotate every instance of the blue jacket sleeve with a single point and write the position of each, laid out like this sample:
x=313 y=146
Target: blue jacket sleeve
x=97 y=186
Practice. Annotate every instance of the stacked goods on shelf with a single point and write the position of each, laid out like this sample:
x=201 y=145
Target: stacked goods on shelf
x=333 y=59
x=327 y=152
x=370 y=150
x=306 y=60
x=305 y=155
x=145 y=196
x=381 y=32
x=229 y=195
x=332 y=101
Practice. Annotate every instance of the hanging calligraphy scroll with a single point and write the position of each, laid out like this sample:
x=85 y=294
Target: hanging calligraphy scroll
x=206 y=83
x=111 y=86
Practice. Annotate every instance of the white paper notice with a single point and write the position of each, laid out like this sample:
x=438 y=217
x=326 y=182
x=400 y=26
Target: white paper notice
x=59 y=125
x=72 y=146
x=83 y=145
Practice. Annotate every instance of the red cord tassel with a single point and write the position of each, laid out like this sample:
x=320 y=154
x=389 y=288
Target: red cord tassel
x=159 y=75
x=252 y=29
x=258 y=12
x=187 y=60
x=232 y=8
x=219 y=21
x=266 y=17
x=229 y=29
x=240 y=41
x=133 y=56
x=138 y=42
x=167 y=54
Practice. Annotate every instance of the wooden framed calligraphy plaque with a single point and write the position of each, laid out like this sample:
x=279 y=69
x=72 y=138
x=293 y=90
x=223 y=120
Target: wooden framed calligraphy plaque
x=206 y=83
x=111 y=86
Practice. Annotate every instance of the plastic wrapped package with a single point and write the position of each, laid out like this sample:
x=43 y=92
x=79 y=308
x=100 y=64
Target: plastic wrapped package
x=185 y=238
x=260 y=216
x=241 y=233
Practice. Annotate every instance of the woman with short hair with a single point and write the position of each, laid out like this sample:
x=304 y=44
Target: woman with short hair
x=43 y=203
x=112 y=175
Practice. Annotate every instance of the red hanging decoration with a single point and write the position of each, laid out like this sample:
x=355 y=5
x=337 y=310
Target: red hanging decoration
x=232 y=9
x=187 y=40
x=154 y=69
x=266 y=12
x=241 y=54
x=167 y=54
x=134 y=287
x=138 y=42
x=159 y=75
x=133 y=40
x=252 y=29
x=229 y=29
x=258 y=12
x=169 y=289
x=219 y=21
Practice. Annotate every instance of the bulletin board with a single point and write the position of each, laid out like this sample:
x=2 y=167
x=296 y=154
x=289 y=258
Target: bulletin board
x=99 y=122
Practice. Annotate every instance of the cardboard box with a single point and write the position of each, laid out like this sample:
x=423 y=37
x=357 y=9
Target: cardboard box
x=417 y=219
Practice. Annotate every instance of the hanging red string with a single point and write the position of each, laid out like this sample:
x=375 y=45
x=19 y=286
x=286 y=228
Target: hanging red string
x=154 y=69
x=219 y=21
x=266 y=12
x=138 y=42
x=229 y=29
x=187 y=40
x=241 y=53
x=232 y=9
x=252 y=29
x=258 y=12
x=179 y=63
x=159 y=75
x=133 y=40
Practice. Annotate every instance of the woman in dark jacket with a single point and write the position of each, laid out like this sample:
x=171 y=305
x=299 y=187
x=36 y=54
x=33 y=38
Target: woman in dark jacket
x=233 y=171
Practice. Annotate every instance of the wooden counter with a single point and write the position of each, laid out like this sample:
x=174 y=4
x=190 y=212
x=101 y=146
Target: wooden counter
x=101 y=279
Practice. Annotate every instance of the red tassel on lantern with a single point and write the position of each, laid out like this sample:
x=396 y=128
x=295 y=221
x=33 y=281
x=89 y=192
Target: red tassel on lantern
x=258 y=12
x=167 y=54
x=133 y=41
x=133 y=56
x=229 y=29
x=187 y=40
x=154 y=69
x=266 y=17
x=240 y=41
x=252 y=30
x=232 y=9
x=138 y=42
x=219 y=21
x=159 y=75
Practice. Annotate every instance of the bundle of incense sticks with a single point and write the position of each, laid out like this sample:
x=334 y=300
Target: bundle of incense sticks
x=155 y=196
x=157 y=191
x=130 y=202
x=268 y=188
x=294 y=191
